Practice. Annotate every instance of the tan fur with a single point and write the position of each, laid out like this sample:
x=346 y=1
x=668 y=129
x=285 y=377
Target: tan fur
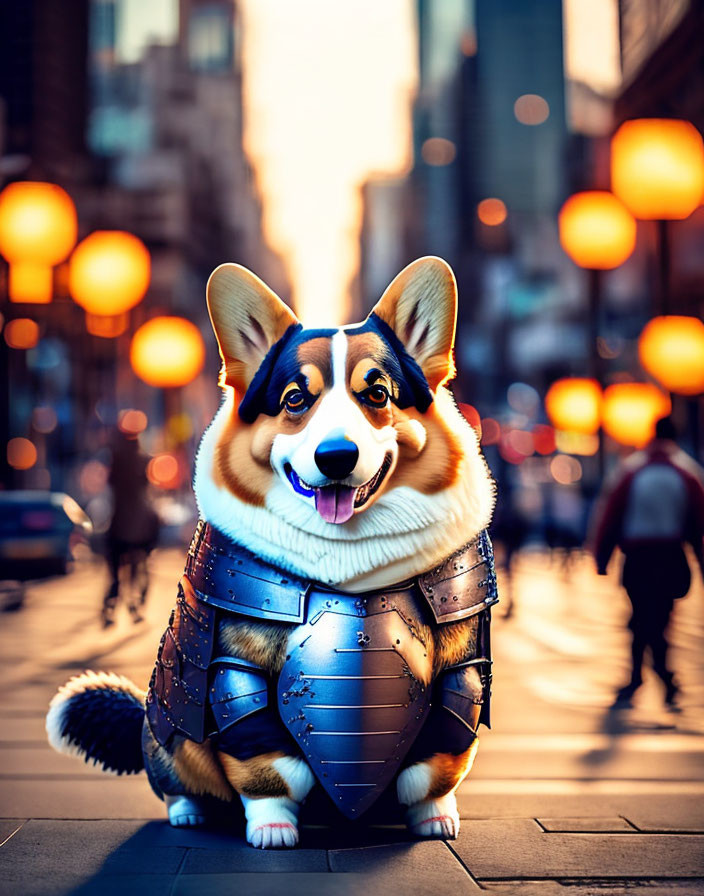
x=255 y=777
x=199 y=770
x=317 y=353
x=420 y=305
x=263 y=643
x=454 y=642
x=448 y=770
x=248 y=318
x=437 y=467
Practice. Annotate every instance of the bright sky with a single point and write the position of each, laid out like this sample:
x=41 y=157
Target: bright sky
x=591 y=43
x=328 y=88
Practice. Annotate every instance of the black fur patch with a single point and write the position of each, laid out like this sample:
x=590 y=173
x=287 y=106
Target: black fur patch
x=106 y=724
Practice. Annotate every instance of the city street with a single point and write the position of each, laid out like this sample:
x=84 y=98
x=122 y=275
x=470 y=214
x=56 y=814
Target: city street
x=564 y=796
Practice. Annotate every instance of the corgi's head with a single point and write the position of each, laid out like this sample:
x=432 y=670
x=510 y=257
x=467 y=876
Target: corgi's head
x=337 y=417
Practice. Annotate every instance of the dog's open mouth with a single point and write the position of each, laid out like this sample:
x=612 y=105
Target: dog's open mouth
x=336 y=503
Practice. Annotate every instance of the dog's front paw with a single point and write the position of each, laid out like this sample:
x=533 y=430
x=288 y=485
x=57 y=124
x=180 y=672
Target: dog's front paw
x=271 y=822
x=434 y=818
x=185 y=811
x=280 y=835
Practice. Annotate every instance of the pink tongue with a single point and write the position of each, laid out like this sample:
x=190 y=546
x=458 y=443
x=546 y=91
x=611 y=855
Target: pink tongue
x=335 y=503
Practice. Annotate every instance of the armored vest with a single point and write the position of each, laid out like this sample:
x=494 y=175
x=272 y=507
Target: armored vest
x=357 y=683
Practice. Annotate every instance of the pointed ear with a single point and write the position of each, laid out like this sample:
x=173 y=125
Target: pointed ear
x=248 y=318
x=420 y=306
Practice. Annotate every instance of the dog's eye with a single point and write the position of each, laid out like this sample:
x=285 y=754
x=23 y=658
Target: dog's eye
x=295 y=401
x=377 y=396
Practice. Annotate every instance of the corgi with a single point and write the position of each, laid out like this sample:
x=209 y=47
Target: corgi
x=332 y=623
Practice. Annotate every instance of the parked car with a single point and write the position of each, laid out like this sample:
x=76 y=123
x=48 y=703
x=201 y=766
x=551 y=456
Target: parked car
x=35 y=528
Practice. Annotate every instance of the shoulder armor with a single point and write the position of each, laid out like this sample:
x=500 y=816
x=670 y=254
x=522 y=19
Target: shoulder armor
x=464 y=584
x=228 y=576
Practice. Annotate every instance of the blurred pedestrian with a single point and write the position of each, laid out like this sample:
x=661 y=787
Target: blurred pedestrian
x=655 y=506
x=134 y=527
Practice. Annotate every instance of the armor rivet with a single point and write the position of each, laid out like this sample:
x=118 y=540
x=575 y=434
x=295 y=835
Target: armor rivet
x=443 y=600
x=257 y=700
x=454 y=597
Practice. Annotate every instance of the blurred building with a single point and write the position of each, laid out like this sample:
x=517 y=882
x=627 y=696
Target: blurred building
x=137 y=111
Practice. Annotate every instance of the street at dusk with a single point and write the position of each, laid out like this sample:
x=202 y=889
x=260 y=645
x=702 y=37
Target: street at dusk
x=351 y=447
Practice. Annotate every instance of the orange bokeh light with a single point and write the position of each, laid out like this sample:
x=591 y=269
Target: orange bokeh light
x=437 y=151
x=491 y=431
x=544 y=438
x=596 y=230
x=631 y=410
x=671 y=349
x=21 y=333
x=109 y=272
x=531 y=109
x=167 y=352
x=132 y=421
x=164 y=471
x=574 y=404
x=491 y=212
x=21 y=454
x=657 y=167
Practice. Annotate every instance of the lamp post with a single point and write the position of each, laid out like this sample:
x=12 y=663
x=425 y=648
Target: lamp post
x=657 y=170
x=168 y=353
x=38 y=229
x=109 y=274
x=598 y=233
x=671 y=349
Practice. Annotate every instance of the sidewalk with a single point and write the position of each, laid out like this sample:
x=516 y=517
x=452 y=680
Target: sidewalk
x=564 y=797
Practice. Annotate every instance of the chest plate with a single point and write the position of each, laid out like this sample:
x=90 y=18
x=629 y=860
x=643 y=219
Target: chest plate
x=354 y=691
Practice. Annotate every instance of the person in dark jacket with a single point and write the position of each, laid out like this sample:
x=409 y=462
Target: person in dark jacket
x=655 y=506
x=134 y=527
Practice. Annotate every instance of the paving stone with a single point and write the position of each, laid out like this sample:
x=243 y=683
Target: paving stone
x=240 y=857
x=106 y=796
x=8 y=827
x=47 y=848
x=595 y=887
x=517 y=848
x=676 y=811
x=411 y=868
x=43 y=763
x=316 y=884
x=98 y=885
x=585 y=825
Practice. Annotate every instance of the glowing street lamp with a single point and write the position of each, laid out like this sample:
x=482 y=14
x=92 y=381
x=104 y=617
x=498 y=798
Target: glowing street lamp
x=573 y=404
x=657 y=170
x=596 y=230
x=167 y=352
x=109 y=274
x=631 y=410
x=671 y=349
x=38 y=229
x=657 y=167
x=598 y=233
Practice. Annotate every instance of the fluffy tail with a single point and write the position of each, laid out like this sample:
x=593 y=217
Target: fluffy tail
x=99 y=716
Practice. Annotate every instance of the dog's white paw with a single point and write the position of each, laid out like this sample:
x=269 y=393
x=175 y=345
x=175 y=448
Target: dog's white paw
x=185 y=811
x=434 y=818
x=273 y=836
x=271 y=822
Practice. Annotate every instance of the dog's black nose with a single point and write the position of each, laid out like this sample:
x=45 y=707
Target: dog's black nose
x=336 y=458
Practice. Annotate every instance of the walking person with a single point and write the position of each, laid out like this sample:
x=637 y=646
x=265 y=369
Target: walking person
x=134 y=528
x=655 y=506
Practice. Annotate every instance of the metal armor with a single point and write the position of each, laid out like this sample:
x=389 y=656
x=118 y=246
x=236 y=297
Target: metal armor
x=357 y=684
